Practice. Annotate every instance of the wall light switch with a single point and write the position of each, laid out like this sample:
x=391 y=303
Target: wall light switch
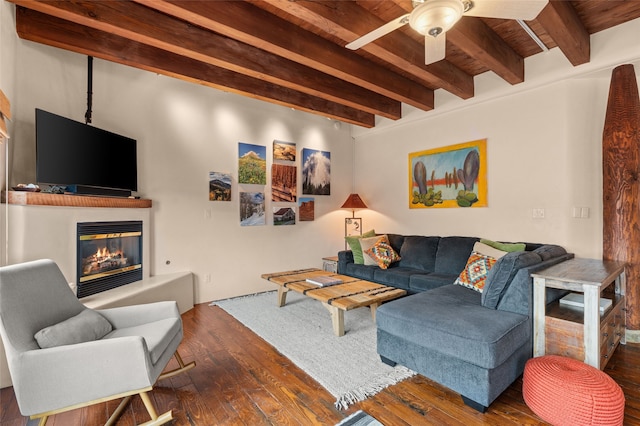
x=584 y=212
x=538 y=213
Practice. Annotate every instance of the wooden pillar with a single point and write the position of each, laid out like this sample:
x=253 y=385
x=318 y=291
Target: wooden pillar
x=621 y=185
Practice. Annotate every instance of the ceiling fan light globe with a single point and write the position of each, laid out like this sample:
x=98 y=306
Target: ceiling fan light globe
x=434 y=14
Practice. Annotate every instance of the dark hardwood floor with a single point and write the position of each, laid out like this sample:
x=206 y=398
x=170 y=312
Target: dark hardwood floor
x=241 y=380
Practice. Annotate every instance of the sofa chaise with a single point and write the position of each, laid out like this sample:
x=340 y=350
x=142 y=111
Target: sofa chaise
x=475 y=343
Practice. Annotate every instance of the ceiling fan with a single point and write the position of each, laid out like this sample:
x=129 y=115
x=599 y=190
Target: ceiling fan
x=433 y=18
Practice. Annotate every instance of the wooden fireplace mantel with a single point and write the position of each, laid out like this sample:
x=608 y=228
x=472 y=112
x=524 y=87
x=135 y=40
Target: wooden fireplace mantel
x=25 y=198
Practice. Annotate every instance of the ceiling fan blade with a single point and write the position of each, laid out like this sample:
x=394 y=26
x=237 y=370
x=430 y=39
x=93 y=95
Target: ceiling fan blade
x=378 y=32
x=525 y=10
x=434 y=48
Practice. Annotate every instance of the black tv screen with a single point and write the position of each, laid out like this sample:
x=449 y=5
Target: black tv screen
x=73 y=153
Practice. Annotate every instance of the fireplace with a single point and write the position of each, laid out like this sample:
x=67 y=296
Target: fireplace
x=109 y=255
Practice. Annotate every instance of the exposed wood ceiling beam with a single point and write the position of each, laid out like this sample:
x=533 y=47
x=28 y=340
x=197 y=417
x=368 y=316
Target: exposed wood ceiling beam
x=38 y=27
x=237 y=20
x=476 y=39
x=156 y=29
x=293 y=53
x=347 y=21
x=561 y=21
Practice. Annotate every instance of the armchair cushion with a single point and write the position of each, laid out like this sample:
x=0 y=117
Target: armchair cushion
x=88 y=325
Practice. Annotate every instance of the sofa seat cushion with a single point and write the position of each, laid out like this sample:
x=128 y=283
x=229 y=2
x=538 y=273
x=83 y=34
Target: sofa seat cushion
x=419 y=252
x=157 y=335
x=451 y=320
x=363 y=272
x=394 y=276
x=423 y=282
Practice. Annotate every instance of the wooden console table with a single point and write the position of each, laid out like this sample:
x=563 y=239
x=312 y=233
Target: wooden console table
x=578 y=333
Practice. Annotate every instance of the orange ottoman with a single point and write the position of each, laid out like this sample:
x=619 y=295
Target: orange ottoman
x=565 y=391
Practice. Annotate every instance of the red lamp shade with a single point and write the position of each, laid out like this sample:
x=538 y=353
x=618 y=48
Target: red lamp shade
x=353 y=203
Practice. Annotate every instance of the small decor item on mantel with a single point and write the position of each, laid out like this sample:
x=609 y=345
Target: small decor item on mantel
x=451 y=176
x=29 y=187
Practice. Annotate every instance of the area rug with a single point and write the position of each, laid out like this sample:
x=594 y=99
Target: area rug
x=348 y=366
x=359 y=418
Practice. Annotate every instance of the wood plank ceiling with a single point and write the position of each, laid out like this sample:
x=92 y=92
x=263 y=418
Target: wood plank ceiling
x=292 y=52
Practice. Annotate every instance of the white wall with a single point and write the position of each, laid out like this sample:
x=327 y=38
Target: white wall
x=544 y=150
x=184 y=131
x=8 y=42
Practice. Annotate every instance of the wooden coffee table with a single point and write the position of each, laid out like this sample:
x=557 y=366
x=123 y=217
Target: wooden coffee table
x=352 y=293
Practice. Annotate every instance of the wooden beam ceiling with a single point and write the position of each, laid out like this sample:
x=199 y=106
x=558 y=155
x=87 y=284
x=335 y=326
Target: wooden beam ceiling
x=292 y=52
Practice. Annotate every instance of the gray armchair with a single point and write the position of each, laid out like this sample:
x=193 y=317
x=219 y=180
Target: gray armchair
x=63 y=355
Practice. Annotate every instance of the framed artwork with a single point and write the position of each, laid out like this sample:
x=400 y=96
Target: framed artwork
x=252 y=164
x=252 y=209
x=352 y=226
x=316 y=172
x=306 y=209
x=219 y=186
x=284 y=183
x=451 y=176
x=284 y=216
x=285 y=151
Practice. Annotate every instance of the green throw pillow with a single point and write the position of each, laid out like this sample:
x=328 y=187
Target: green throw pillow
x=356 y=249
x=509 y=247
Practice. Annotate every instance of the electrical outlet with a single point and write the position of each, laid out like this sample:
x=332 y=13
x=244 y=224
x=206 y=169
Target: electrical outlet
x=207 y=278
x=538 y=213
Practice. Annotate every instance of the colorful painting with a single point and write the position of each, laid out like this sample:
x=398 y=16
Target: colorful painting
x=451 y=176
x=284 y=216
x=219 y=186
x=284 y=183
x=306 y=209
x=316 y=172
x=252 y=164
x=285 y=151
x=252 y=209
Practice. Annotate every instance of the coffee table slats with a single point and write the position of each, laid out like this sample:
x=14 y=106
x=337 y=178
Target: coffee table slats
x=350 y=294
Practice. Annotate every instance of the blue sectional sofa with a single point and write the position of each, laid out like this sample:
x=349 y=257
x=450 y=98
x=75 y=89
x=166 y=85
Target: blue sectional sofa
x=473 y=343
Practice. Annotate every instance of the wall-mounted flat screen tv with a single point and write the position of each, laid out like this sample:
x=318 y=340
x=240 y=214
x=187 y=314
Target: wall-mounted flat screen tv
x=78 y=155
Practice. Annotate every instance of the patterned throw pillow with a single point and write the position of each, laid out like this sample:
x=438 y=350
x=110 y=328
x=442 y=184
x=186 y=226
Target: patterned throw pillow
x=354 y=245
x=382 y=253
x=474 y=274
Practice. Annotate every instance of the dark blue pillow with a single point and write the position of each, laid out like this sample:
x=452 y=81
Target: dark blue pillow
x=419 y=252
x=453 y=253
x=502 y=273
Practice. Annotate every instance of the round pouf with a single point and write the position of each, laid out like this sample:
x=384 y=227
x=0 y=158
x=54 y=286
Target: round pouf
x=565 y=391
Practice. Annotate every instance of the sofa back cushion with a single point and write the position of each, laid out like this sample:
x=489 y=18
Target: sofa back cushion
x=396 y=241
x=453 y=253
x=502 y=273
x=550 y=251
x=419 y=252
